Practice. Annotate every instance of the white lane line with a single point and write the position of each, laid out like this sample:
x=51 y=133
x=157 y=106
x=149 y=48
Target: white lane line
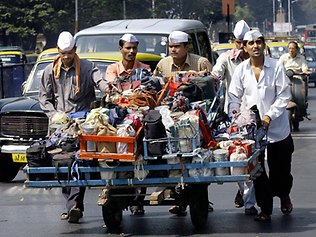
x=304 y=136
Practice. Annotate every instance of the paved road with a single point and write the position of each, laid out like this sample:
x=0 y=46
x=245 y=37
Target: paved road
x=35 y=212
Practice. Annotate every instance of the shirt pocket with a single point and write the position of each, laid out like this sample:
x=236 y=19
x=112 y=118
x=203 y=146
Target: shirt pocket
x=72 y=90
x=265 y=92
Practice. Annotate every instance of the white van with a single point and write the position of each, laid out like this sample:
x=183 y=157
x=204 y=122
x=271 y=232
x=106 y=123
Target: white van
x=151 y=33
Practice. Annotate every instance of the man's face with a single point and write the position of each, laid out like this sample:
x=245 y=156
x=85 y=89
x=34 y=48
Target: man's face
x=239 y=44
x=129 y=51
x=178 y=51
x=255 y=48
x=67 y=57
x=292 y=50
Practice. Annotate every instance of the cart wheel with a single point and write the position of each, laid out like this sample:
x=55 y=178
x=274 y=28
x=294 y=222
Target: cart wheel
x=198 y=205
x=112 y=214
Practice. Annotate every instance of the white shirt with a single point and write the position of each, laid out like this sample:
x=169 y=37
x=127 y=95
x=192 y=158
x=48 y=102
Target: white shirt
x=298 y=64
x=224 y=68
x=271 y=94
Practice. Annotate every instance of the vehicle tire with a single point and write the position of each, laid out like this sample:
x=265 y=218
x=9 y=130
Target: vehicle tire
x=293 y=120
x=299 y=95
x=8 y=169
x=198 y=203
x=112 y=214
x=295 y=124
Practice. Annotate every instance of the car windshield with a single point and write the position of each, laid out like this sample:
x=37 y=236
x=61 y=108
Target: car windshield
x=310 y=54
x=277 y=51
x=152 y=44
x=37 y=72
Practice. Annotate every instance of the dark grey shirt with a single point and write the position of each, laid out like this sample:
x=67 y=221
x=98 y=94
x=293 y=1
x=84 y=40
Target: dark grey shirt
x=59 y=95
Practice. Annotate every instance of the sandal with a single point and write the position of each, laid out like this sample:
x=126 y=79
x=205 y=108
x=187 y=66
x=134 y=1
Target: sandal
x=137 y=210
x=178 y=210
x=262 y=217
x=64 y=216
x=286 y=205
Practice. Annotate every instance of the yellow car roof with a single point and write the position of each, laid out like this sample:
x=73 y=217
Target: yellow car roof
x=11 y=53
x=282 y=44
x=223 y=46
x=49 y=54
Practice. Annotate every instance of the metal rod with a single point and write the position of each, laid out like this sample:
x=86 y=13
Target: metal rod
x=76 y=16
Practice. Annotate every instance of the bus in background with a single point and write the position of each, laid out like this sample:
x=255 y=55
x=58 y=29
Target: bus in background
x=310 y=34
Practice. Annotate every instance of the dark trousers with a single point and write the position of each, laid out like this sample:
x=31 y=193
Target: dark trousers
x=74 y=197
x=280 y=180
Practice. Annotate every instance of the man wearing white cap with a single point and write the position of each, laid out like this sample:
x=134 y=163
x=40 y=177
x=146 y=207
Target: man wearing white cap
x=224 y=69
x=227 y=62
x=68 y=85
x=128 y=46
x=261 y=82
x=179 y=59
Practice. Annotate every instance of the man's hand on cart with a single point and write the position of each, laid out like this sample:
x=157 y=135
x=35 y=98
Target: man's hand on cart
x=266 y=122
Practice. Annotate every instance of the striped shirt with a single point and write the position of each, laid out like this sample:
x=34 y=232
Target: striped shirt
x=118 y=70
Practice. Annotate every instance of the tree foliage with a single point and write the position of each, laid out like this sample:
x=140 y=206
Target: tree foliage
x=22 y=20
x=244 y=13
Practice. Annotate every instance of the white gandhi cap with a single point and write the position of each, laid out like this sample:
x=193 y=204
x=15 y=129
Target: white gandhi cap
x=252 y=35
x=240 y=29
x=129 y=38
x=65 y=41
x=177 y=37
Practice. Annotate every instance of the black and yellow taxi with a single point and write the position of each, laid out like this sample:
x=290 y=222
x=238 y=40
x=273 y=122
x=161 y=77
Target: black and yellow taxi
x=12 y=55
x=21 y=119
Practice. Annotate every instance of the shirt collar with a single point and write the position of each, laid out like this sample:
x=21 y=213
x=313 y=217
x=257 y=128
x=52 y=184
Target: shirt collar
x=186 y=62
x=266 y=62
x=234 y=53
x=122 y=68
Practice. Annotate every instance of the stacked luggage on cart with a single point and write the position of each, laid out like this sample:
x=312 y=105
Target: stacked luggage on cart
x=149 y=132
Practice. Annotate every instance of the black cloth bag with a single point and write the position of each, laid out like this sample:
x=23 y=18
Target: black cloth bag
x=37 y=156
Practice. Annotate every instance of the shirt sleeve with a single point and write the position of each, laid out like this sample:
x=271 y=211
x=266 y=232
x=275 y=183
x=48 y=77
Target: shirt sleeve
x=283 y=93
x=204 y=64
x=111 y=72
x=98 y=80
x=281 y=59
x=158 y=71
x=220 y=67
x=235 y=91
x=46 y=92
x=304 y=65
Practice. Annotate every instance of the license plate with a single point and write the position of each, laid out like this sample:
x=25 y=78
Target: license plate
x=18 y=157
